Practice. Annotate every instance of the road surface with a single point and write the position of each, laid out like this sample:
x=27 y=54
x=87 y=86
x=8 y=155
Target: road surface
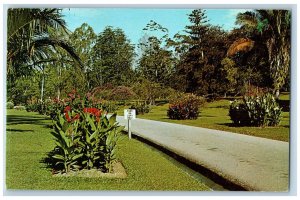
x=257 y=164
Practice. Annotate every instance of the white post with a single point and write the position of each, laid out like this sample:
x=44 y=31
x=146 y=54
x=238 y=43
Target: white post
x=129 y=131
x=129 y=114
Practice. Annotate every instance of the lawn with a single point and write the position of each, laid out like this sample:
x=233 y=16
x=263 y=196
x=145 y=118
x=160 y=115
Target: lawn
x=214 y=115
x=28 y=140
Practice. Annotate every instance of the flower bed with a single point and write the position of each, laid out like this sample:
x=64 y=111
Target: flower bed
x=85 y=138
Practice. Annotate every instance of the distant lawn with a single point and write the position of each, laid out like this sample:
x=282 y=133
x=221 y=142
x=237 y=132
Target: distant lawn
x=284 y=96
x=28 y=140
x=214 y=115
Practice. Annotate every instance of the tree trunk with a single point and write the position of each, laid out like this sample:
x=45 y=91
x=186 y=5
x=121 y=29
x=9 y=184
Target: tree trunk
x=42 y=86
x=58 y=88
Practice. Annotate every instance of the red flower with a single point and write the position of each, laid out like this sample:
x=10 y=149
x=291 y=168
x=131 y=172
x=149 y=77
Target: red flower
x=67 y=109
x=77 y=116
x=68 y=117
x=94 y=111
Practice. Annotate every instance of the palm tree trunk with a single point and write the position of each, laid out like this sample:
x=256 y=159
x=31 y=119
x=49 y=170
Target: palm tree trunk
x=42 y=87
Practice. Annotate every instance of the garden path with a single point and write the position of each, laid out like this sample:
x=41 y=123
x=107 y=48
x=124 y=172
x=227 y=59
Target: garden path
x=256 y=164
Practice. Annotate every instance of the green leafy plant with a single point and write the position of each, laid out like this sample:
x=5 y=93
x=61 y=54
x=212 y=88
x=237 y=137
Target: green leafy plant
x=66 y=153
x=85 y=138
x=255 y=111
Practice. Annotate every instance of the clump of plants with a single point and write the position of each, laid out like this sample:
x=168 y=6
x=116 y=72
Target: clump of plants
x=255 y=111
x=9 y=105
x=185 y=107
x=85 y=138
x=140 y=108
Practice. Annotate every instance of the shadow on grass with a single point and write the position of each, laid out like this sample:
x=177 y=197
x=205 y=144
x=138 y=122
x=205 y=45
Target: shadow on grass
x=18 y=130
x=20 y=119
x=240 y=125
x=206 y=115
x=224 y=107
x=231 y=125
x=49 y=163
x=48 y=126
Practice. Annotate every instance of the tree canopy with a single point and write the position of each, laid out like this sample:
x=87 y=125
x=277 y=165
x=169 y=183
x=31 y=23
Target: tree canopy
x=203 y=59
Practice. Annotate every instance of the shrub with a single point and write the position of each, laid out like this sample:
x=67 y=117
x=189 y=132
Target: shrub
x=121 y=93
x=9 y=105
x=85 y=138
x=185 y=107
x=255 y=111
x=32 y=107
x=140 y=108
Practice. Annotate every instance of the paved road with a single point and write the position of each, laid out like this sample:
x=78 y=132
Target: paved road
x=256 y=164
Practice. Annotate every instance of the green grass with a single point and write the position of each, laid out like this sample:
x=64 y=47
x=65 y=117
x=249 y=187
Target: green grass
x=28 y=140
x=284 y=96
x=214 y=115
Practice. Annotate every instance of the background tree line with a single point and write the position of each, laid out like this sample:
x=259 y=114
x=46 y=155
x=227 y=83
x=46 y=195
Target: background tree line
x=45 y=59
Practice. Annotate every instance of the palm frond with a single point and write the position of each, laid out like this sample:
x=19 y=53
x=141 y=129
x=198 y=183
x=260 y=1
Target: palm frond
x=47 y=41
x=242 y=44
x=248 y=19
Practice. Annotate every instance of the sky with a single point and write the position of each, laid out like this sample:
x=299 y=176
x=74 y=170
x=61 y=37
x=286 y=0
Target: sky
x=133 y=20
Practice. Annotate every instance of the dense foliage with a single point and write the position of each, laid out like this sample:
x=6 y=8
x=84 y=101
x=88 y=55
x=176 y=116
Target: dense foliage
x=255 y=111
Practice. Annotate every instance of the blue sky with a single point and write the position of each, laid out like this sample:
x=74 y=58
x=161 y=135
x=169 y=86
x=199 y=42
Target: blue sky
x=133 y=20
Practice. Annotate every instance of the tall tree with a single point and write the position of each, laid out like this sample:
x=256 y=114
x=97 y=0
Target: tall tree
x=190 y=69
x=84 y=39
x=156 y=63
x=273 y=27
x=113 y=58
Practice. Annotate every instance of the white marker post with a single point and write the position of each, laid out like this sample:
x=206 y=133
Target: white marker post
x=129 y=114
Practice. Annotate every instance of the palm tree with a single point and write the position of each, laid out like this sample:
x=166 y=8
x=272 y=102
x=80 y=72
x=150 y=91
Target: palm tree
x=274 y=27
x=30 y=31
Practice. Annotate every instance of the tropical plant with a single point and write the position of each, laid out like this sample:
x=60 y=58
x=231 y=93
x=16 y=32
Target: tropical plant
x=34 y=38
x=85 y=137
x=29 y=28
x=66 y=136
x=255 y=111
